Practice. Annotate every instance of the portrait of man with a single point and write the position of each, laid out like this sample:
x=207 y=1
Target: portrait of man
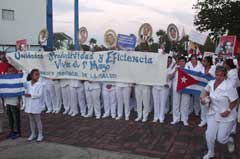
x=172 y=32
x=83 y=35
x=145 y=33
x=227 y=45
x=42 y=36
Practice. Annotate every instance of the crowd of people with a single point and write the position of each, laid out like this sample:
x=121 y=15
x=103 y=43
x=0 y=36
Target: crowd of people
x=216 y=106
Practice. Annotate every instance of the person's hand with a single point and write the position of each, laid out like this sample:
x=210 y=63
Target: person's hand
x=18 y=105
x=27 y=95
x=166 y=85
x=225 y=114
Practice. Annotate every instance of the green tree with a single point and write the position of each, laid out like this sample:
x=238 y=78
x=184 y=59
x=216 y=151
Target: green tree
x=218 y=17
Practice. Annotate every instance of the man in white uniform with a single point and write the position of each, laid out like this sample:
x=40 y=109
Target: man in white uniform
x=65 y=88
x=109 y=99
x=49 y=93
x=123 y=91
x=93 y=92
x=58 y=98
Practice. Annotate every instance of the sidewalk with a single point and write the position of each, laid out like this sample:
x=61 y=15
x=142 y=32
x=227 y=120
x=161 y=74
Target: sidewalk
x=148 y=139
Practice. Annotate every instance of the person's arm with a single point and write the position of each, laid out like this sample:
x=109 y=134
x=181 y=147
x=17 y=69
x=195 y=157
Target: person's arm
x=230 y=108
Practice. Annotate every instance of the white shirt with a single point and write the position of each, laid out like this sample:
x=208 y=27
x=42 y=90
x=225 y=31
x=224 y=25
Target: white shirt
x=13 y=101
x=232 y=77
x=220 y=100
x=35 y=103
x=197 y=68
x=211 y=71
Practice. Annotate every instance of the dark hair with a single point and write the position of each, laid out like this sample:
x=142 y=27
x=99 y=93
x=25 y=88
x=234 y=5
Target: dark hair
x=230 y=63
x=209 y=59
x=193 y=56
x=182 y=58
x=29 y=76
x=222 y=69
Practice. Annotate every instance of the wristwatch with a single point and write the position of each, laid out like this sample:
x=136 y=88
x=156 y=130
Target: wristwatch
x=229 y=109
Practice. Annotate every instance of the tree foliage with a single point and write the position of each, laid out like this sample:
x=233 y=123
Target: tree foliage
x=218 y=16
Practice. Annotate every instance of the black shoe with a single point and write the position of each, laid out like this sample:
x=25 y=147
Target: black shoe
x=15 y=136
x=10 y=135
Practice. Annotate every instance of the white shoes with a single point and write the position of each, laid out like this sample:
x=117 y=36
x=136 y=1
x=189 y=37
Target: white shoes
x=155 y=120
x=138 y=119
x=65 y=112
x=174 y=122
x=185 y=123
x=39 y=138
x=98 y=117
x=209 y=155
x=73 y=114
x=127 y=118
x=105 y=116
x=231 y=145
x=202 y=124
x=31 y=137
x=88 y=116
x=144 y=120
x=118 y=118
x=161 y=121
x=49 y=111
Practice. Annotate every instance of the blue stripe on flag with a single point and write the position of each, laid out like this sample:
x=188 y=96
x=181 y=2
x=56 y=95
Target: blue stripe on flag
x=190 y=91
x=15 y=85
x=12 y=94
x=11 y=76
x=199 y=74
x=203 y=84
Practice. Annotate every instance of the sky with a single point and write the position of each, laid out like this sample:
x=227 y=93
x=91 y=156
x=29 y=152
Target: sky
x=123 y=16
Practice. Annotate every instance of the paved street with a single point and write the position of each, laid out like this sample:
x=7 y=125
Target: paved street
x=146 y=139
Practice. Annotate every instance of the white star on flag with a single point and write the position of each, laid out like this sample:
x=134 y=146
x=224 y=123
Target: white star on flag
x=184 y=79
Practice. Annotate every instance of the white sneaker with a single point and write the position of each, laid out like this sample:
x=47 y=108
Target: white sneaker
x=209 y=155
x=65 y=112
x=174 y=122
x=58 y=111
x=118 y=118
x=70 y=113
x=73 y=114
x=161 y=121
x=138 y=119
x=105 y=116
x=185 y=123
x=155 y=120
x=202 y=124
x=231 y=145
x=88 y=116
x=31 y=137
x=127 y=118
x=40 y=138
x=98 y=117
x=49 y=111
x=144 y=120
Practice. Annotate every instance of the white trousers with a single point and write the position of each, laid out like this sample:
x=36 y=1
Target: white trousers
x=35 y=122
x=216 y=130
x=160 y=98
x=204 y=110
x=142 y=93
x=66 y=98
x=77 y=98
x=58 y=98
x=49 y=96
x=123 y=101
x=180 y=106
x=109 y=102
x=93 y=101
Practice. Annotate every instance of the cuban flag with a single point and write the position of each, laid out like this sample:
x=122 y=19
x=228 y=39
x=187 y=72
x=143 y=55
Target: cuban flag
x=11 y=85
x=192 y=82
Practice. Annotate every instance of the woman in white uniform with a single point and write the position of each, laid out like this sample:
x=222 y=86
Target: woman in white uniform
x=58 y=98
x=49 y=93
x=34 y=105
x=160 y=95
x=123 y=91
x=93 y=92
x=180 y=107
x=194 y=65
x=208 y=68
x=221 y=112
x=65 y=89
x=109 y=99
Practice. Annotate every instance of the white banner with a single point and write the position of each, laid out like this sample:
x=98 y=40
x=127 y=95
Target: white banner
x=119 y=66
x=197 y=37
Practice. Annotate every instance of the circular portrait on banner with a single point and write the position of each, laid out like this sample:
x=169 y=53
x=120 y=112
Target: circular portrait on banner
x=110 y=38
x=83 y=35
x=42 y=36
x=145 y=32
x=172 y=32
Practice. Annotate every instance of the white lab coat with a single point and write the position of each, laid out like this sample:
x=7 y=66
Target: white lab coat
x=219 y=127
x=35 y=103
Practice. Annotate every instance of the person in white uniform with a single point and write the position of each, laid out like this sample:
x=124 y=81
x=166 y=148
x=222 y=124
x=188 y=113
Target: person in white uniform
x=109 y=99
x=160 y=95
x=49 y=93
x=65 y=89
x=232 y=77
x=209 y=69
x=221 y=112
x=58 y=98
x=93 y=92
x=194 y=65
x=142 y=93
x=123 y=91
x=77 y=98
x=34 y=105
x=180 y=101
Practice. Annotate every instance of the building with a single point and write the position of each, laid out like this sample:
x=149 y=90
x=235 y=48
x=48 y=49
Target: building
x=21 y=19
